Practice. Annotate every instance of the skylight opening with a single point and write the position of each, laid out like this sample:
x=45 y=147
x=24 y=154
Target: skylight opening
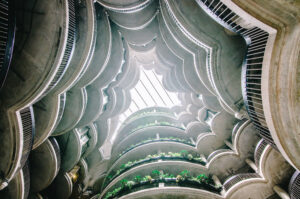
x=149 y=92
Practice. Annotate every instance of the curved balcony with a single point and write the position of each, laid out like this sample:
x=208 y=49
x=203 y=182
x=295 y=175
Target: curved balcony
x=294 y=186
x=221 y=126
x=183 y=155
x=259 y=150
x=62 y=186
x=69 y=49
x=224 y=79
x=152 y=132
x=177 y=38
x=106 y=42
x=93 y=108
x=76 y=102
x=234 y=180
x=160 y=178
x=149 y=141
x=48 y=112
x=50 y=108
x=45 y=164
x=148 y=111
x=256 y=39
x=211 y=103
x=19 y=185
x=148 y=121
x=92 y=134
x=8 y=26
x=169 y=58
x=51 y=30
x=73 y=144
x=131 y=17
x=20 y=139
x=194 y=129
x=142 y=40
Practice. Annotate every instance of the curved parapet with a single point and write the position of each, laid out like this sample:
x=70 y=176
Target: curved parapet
x=19 y=186
x=50 y=108
x=45 y=164
x=8 y=27
x=173 y=192
x=294 y=189
x=16 y=143
x=76 y=102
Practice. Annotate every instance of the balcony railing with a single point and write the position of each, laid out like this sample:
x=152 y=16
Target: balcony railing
x=26 y=176
x=238 y=178
x=57 y=151
x=179 y=156
x=217 y=152
x=153 y=140
x=27 y=119
x=69 y=47
x=260 y=147
x=294 y=186
x=256 y=39
x=183 y=179
x=7 y=37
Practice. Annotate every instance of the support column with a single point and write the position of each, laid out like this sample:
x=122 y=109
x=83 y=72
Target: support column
x=218 y=183
x=251 y=164
x=229 y=145
x=203 y=157
x=281 y=192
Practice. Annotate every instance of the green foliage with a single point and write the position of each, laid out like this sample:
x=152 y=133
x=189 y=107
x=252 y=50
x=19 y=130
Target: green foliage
x=154 y=139
x=160 y=176
x=182 y=154
x=123 y=182
x=156 y=173
x=156 y=124
x=138 y=179
x=185 y=174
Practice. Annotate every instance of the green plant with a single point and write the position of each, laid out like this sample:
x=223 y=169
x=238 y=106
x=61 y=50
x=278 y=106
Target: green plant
x=129 y=184
x=190 y=156
x=156 y=173
x=160 y=176
x=185 y=174
x=138 y=179
x=123 y=182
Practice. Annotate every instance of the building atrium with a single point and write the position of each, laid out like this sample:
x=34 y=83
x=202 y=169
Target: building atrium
x=149 y=99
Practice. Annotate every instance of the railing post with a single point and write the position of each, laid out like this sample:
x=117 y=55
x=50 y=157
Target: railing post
x=229 y=144
x=218 y=183
x=203 y=157
x=281 y=192
x=251 y=164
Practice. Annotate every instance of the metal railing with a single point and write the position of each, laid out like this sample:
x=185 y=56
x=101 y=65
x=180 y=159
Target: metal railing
x=256 y=39
x=260 y=147
x=69 y=47
x=57 y=151
x=215 y=153
x=238 y=178
x=26 y=176
x=7 y=37
x=27 y=119
x=294 y=186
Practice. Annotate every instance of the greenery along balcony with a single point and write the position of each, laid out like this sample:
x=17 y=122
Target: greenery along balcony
x=183 y=179
x=148 y=111
x=151 y=140
x=177 y=156
x=156 y=124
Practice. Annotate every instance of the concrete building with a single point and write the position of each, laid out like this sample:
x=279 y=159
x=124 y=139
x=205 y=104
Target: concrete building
x=149 y=99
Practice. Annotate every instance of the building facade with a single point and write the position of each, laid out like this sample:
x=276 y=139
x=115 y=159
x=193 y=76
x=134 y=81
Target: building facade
x=149 y=99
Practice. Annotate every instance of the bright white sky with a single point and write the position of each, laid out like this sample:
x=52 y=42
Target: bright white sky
x=149 y=92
